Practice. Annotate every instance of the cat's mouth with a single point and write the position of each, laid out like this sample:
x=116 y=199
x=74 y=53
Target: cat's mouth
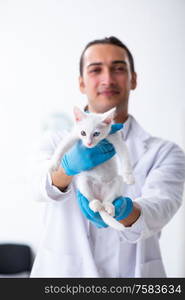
x=90 y=145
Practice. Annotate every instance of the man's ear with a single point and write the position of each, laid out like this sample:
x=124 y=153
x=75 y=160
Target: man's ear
x=81 y=85
x=134 y=81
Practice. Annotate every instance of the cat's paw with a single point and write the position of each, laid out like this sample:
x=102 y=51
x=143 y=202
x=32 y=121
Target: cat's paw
x=95 y=205
x=128 y=178
x=109 y=207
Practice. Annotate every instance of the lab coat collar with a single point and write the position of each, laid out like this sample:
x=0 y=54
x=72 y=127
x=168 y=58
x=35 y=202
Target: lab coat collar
x=132 y=126
x=126 y=127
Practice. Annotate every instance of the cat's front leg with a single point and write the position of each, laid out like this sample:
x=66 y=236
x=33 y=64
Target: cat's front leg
x=123 y=156
x=128 y=176
x=65 y=144
x=55 y=160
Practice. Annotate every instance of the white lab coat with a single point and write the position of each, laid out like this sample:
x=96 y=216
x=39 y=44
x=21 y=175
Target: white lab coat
x=72 y=247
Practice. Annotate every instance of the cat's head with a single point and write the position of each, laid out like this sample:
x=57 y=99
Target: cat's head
x=91 y=127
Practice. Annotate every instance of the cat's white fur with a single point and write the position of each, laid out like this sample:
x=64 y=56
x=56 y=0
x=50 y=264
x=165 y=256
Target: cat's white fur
x=102 y=184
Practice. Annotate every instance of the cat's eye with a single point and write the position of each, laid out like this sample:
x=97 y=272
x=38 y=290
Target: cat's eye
x=96 y=133
x=83 y=133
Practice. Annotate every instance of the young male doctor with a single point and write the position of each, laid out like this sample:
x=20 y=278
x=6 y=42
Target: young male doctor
x=76 y=242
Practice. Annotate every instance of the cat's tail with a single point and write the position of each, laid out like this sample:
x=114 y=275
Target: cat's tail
x=109 y=220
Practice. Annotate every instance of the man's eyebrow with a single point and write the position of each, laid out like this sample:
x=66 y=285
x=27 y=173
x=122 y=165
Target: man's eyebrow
x=94 y=64
x=119 y=62
x=113 y=62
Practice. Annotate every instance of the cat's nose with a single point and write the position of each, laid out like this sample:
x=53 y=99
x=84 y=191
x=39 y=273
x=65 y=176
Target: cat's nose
x=89 y=144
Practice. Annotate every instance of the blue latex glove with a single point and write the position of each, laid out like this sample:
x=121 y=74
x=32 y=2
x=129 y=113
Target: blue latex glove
x=123 y=208
x=80 y=158
x=116 y=127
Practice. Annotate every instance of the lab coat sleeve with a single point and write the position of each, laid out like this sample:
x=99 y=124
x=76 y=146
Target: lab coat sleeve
x=41 y=183
x=161 y=195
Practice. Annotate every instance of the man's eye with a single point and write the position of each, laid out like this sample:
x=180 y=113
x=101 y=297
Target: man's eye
x=96 y=133
x=94 y=70
x=83 y=133
x=120 y=69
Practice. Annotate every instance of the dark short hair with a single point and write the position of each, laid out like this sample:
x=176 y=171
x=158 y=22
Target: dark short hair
x=112 y=40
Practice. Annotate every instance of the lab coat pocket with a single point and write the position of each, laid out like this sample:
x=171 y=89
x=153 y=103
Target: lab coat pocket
x=59 y=264
x=153 y=268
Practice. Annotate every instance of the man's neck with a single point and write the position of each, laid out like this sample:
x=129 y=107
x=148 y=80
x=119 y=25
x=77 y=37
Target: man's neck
x=121 y=117
x=121 y=114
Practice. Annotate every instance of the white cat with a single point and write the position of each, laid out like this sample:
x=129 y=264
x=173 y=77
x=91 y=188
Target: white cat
x=102 y=184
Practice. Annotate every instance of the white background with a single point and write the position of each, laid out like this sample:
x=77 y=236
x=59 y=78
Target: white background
x=40 y=46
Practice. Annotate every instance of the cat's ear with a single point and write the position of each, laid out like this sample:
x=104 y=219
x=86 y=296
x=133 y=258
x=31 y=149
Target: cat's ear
x=108 y=117
x=79 y=114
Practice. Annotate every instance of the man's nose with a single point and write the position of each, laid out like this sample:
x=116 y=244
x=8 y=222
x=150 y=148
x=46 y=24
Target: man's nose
x=107 y=78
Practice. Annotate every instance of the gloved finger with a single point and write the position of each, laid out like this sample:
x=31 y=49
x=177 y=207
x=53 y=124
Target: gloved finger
x=123 y=207
x=116 y=127
x=105 y=147
x=119 y=204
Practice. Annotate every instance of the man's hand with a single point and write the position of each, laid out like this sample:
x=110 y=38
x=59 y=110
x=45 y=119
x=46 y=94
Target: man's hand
x=123 y=208
x=80 y=158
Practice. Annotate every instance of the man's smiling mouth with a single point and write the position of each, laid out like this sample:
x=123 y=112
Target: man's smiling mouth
x=108 y=92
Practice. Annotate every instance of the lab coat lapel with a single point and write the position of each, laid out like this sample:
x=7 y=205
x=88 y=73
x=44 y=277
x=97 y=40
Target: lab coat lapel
x=136 y=142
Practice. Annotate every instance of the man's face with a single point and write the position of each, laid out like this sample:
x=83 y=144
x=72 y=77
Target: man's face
x=107 y=78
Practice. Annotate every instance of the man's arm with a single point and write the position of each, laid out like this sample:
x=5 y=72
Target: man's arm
x=132 y=218
x=60 y=179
